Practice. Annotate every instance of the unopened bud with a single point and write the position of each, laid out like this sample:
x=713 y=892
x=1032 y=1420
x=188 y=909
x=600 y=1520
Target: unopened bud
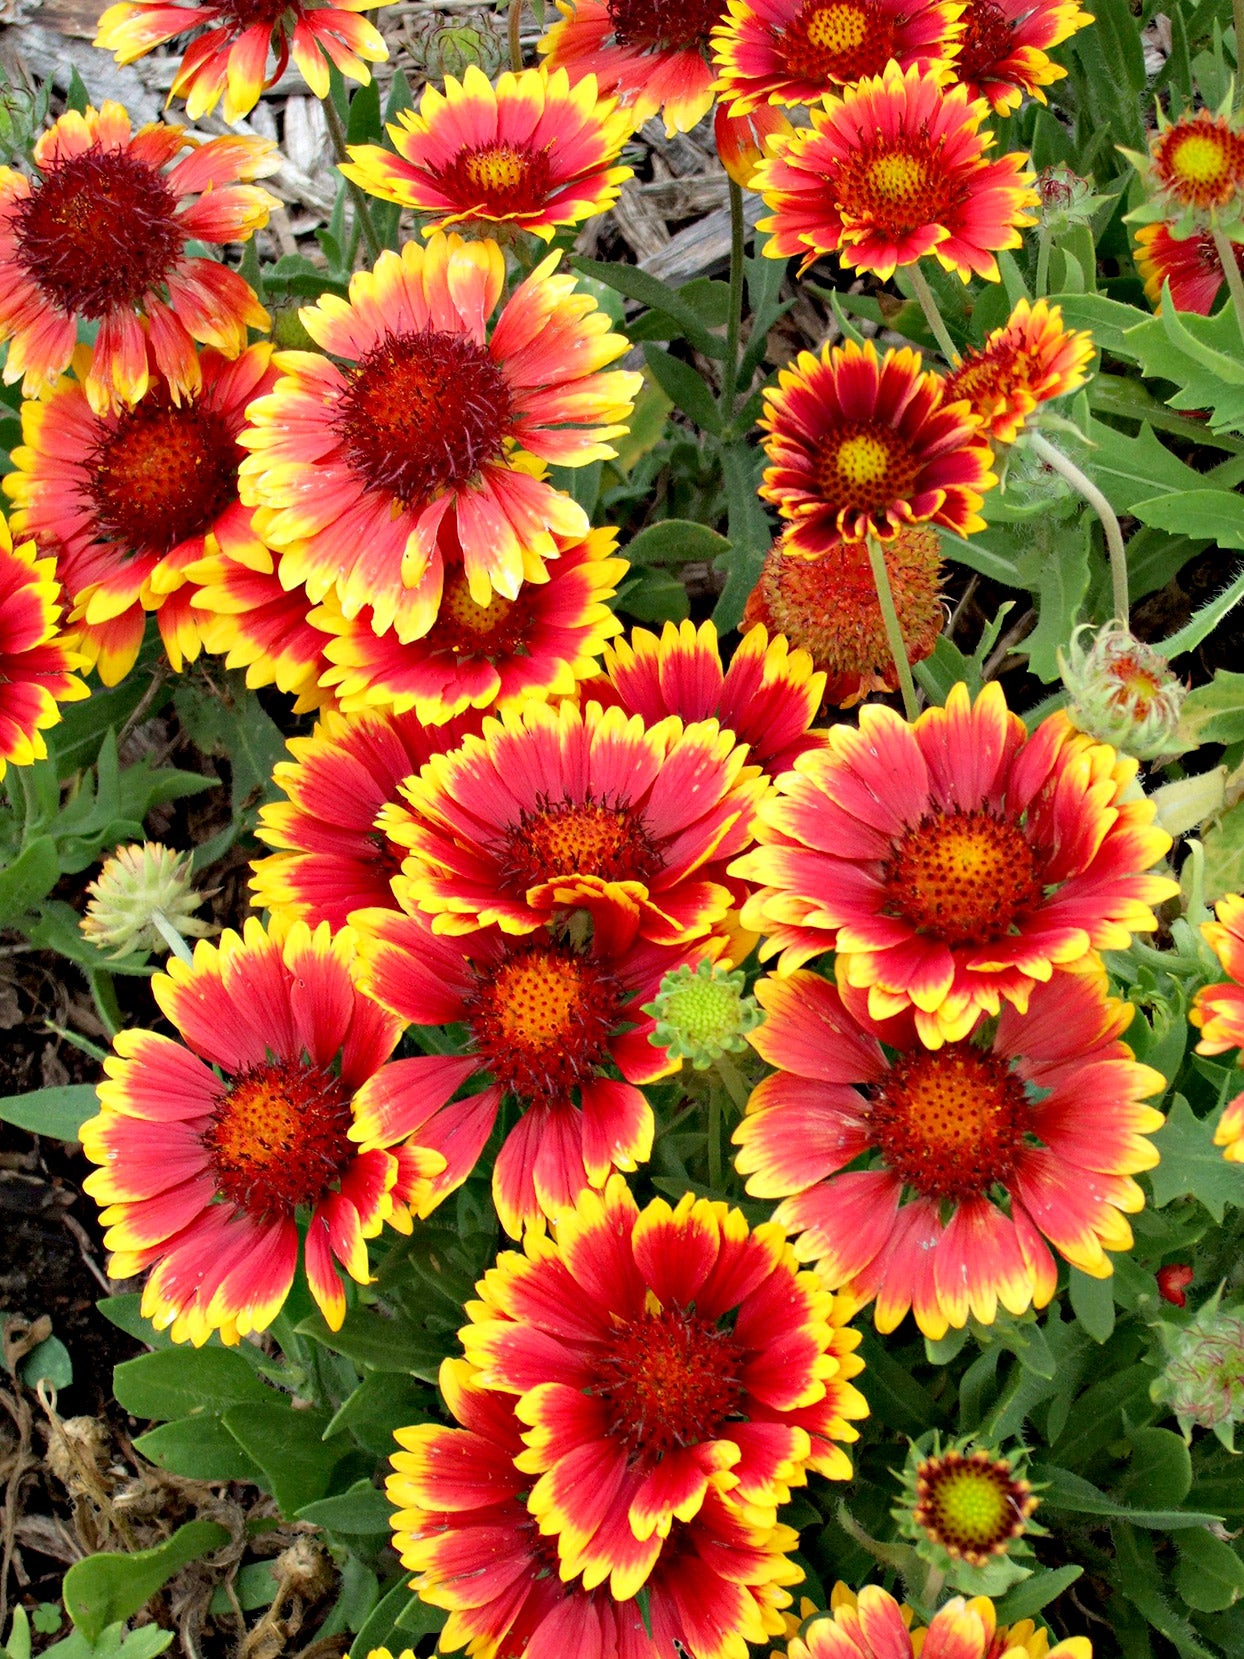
x=1066 y=199
x=1173 y=1281
x=442 y=48
x=741 y=139
x=1203 y=1380
x=966 y=1509
x=137 y=883
x=703 y=1013
x=1122 y=691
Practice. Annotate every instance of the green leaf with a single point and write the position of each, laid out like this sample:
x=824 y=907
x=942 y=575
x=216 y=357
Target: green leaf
x=649 y=291
x=198 y=1448
x=186 y=1382
x=1066 y=1491
x=234 y=725
x=1159 y=1473
x=48 y=1362
x=253 y=1588
x=1092 y=1301
x=76 y=96
x=1192 y=1166
x=1063 y=583
x=124 y=1313
x=1108 y=321
x=28 y=879
x=1134 y=469
x=382 y=1344
x=105 y=1588
x=382 y=1621
x=1035 y=1593
x=1208 y=373
x=363 y=1509
x=1213 y=713
x=58 y=1112
x=365 y=126
x=115 y=1643
x=1210 y=1574
x=676 y=541
x=1218 y=515
x=749 y=530
x=289 y=1447
x=681 y=383
x=18 y=1644
x=1203 y=622
x=1223 y=842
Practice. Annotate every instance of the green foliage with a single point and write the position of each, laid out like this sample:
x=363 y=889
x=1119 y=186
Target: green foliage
x=106 y=1589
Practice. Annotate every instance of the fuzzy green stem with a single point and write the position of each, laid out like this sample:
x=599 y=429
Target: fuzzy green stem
x=171 y=937
x=715 y=1126
x=1230 y=265
x=362 y=212
x=516 y=44
x=1237 y=15
x=1044 y=244
x=1110 y=524
x=733 y=1080
x=932 y=315
x=893 y=629
x=734 y=315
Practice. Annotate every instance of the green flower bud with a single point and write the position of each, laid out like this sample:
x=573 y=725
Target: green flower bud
x=1122 y=691
x=135 y=883
x=442 y=48
x=703 y=1013
x=1067 y=200
x=966 y=1509
x=1203 y=1379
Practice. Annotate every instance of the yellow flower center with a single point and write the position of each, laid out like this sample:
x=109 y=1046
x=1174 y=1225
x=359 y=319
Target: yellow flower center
x=963 y=877
x=578 y=838
x=865 y=468
x=1201 y=158
x=1200 y=161
x=898 y=177
x=278 y=1137
x=837 y=28
x=950 y=1122
x=538 y=1000
x=863 y=460
x=834 y=42
x=501 y=167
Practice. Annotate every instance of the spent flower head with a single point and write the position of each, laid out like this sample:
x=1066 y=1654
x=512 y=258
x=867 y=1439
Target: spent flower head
x=1067 y=200
x=137 y=883
x=1203 y=1378
x=1122 y=690
x=703 y=1013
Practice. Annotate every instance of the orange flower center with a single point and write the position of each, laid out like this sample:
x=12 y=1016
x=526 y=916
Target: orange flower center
x=422 y=413
x=896 y=186
x=541 y=1020
x=949 y=1122
x=971 y=1506
x=578 y=838
x=671 y=1380
x=161 y=474
x=865 y=467
x=988 y=35
x=278 y=1138
x=498 y=179
x=837 y=41
x=1201 y=162
x=466 y=629
x=963 y=877
x=664 y=25
x=98 y=233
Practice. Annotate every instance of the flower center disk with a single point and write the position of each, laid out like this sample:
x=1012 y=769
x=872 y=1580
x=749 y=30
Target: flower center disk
x=836 y=42
x=898 y=188
x=163 y=474
x=279 y=1137
x=541 y=1020
x=963 y=877
x=422 y=413
x=98 y=233
x=671 y=1380
x=578 y=838
x=950 y=1122
x=466 y=629
x=499 y=178
x=986 y=40
x=971 y=1506
x=664 y=25
x=865 y=468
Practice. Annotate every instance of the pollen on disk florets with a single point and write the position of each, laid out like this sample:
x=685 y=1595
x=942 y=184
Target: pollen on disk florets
x=967 y=1508
x=703 y=1013
x=1122 y=691
x=137 y=883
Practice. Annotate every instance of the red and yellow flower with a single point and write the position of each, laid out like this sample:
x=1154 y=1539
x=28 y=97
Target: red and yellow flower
x=653 y=54
x=768 y=696
x=741 y=139
x=860 y=445
x=331 y=858
x=533 y=152
x=1191 y=264
x=955 y=862
x=537 y=646
x=657 y=1357
x=229 y=56
x=555 y=809
x=130 y=499
x=246 y=616
x=1032 y=359
x=417 y=415
x=463 y=1526
x=36 y=659
x=872 y=1625
x=828 y=607
x=1195 y=170
x=1044 y=1112
x=99 y=236
x=892 y=170
x=794 y=51
x=211 y=1147
x=1218 y=1012
x=546 y=1024
x=1004 y=51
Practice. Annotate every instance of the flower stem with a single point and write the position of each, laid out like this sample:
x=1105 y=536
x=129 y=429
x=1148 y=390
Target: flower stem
x=1230 y=265
x=715 y=1127
x=932 y=315
x=516 y=45
x=1044 y=244
x=337 y=132
x=171 y=937
x=893 y=631
x=1105 y=512
x=734 y=315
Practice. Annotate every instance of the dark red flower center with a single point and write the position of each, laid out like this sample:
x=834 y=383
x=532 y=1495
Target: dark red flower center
x=98 y=233
x=578 y=838
x=664 y=25
x=950 y=1121
x=465 y=629
x=542 y=1018
x=498 y=179
x=162 y=473
x=278 y=1138
x=837 y=41
x=250 y=14
x=671 y=1379
x=972 y=1506
x=987 y=39
x=963 y=877
x=422 y=413
x=865 y=467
